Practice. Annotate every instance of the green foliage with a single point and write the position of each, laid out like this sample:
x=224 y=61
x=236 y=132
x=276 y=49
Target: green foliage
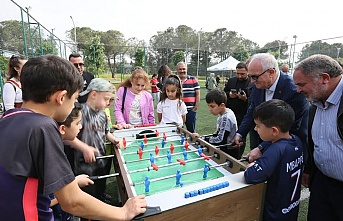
x=3 y=64
x=178 y=56
x=319 y=47
x=139 y=57
x=94 y=55
x=241 y=53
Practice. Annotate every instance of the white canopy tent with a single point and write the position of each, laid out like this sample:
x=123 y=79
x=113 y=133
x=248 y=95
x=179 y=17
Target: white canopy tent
x=226 y=65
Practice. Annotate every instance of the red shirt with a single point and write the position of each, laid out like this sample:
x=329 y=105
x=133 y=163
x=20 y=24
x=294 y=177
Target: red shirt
x=154 y=88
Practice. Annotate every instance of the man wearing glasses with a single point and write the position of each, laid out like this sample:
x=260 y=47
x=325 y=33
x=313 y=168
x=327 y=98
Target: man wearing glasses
x=77 y=61
x=270 y=83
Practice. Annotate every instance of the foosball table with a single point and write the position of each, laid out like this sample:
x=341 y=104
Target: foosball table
x=184 y=178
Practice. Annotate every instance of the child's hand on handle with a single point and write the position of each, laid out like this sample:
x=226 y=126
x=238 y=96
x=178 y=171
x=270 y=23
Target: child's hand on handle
x=237 y=141
x=89 y=154
x=127 y=126
x=195 y=135
x=118 y=143
x=134 y=206
x=83 y=180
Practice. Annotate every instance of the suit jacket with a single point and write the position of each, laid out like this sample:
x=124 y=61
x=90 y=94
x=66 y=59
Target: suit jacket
x=285 y=90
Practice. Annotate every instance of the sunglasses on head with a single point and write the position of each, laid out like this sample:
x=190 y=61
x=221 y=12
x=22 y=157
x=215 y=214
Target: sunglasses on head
x=78 y=64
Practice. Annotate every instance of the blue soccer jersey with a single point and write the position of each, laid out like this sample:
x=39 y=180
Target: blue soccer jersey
x=281 y=166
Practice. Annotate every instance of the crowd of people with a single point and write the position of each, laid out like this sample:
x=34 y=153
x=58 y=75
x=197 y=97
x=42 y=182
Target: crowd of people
x=294 y=123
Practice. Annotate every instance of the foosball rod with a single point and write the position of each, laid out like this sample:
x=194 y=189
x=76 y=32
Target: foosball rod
x=152 y=133
x=151 y=150
x=157 y=142
x=151 y=138
x=104 y=157
x=162 y=156
x=103 y=176
x=184 y=173
x=165 y=165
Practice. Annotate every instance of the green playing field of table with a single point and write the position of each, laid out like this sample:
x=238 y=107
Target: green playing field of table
x=139 y=169
x=184 y=188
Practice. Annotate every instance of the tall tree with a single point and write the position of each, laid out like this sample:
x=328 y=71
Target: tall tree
x=94 y=55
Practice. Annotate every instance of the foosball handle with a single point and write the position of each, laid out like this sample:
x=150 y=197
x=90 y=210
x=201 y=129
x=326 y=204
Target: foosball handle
x=150 y=211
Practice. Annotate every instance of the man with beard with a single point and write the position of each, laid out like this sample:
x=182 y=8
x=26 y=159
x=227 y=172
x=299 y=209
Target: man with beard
x=319 y=78
x=237 y=94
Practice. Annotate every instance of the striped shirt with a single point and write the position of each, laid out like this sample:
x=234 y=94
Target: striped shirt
x=328 y=146
x=189 y=87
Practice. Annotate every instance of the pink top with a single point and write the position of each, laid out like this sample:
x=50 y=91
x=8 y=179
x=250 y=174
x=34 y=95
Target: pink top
x=146 y=103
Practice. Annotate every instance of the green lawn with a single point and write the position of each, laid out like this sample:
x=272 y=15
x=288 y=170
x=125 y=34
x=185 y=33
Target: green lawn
x=206 y=124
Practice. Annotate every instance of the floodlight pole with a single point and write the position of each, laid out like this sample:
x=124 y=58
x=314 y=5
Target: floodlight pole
x=198 y=53
x=74 y=33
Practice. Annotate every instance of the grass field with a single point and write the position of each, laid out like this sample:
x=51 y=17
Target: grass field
x=206 y=124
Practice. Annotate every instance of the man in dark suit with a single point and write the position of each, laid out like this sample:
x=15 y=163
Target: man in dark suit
x=270 y=83
x=77 y=61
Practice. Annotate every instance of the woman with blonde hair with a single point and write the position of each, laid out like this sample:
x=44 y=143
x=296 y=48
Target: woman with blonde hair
x=134 y=105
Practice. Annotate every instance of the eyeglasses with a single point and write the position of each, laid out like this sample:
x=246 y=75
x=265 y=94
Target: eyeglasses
x=255 y=77
x=78 y=64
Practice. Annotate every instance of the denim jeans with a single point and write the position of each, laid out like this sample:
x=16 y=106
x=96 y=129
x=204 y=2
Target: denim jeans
x=191 y=119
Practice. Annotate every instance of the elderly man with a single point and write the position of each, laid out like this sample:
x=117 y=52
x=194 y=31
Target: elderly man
x=270 y=83
x=191 y=95
x=285 y=69
x=77 y=61
x=319 y=78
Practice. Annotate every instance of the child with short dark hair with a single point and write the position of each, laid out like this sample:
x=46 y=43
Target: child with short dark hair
x=226 y=123
x=69 y=130
x=171 y=109
x=35 y=165
x=281 y=164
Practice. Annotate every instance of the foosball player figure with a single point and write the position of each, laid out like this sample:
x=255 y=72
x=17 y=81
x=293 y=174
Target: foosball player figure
x=142 y=145
x=169 y=156
x=147 y=184
x=185 y=154
x=178 y=177
x=186 y=145
x=206 y=169
x=152 y=159
x=172 y=147
x=124 y=143
x=163 y=143
x=182 y=139
x=145 y=139
x=157 y=150
x=140 y=153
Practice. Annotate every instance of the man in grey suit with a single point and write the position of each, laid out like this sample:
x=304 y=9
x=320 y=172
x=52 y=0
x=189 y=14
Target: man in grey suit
x=270 y=83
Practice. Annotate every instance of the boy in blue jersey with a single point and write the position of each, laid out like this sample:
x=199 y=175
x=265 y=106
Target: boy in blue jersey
x=32 y=160
x=281 y=164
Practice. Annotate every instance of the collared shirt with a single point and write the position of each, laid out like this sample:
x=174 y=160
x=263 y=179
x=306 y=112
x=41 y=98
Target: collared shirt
x=328 y=146
x=270 y=91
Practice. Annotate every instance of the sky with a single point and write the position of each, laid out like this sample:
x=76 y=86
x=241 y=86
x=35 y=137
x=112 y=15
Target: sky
x=260 y=21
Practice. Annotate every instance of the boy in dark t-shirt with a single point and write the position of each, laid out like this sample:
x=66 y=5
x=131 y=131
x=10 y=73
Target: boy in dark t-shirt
x=281 y=163
x=32 y=161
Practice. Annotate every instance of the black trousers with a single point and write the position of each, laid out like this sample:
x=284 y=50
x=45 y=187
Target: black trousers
x=326 y=199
